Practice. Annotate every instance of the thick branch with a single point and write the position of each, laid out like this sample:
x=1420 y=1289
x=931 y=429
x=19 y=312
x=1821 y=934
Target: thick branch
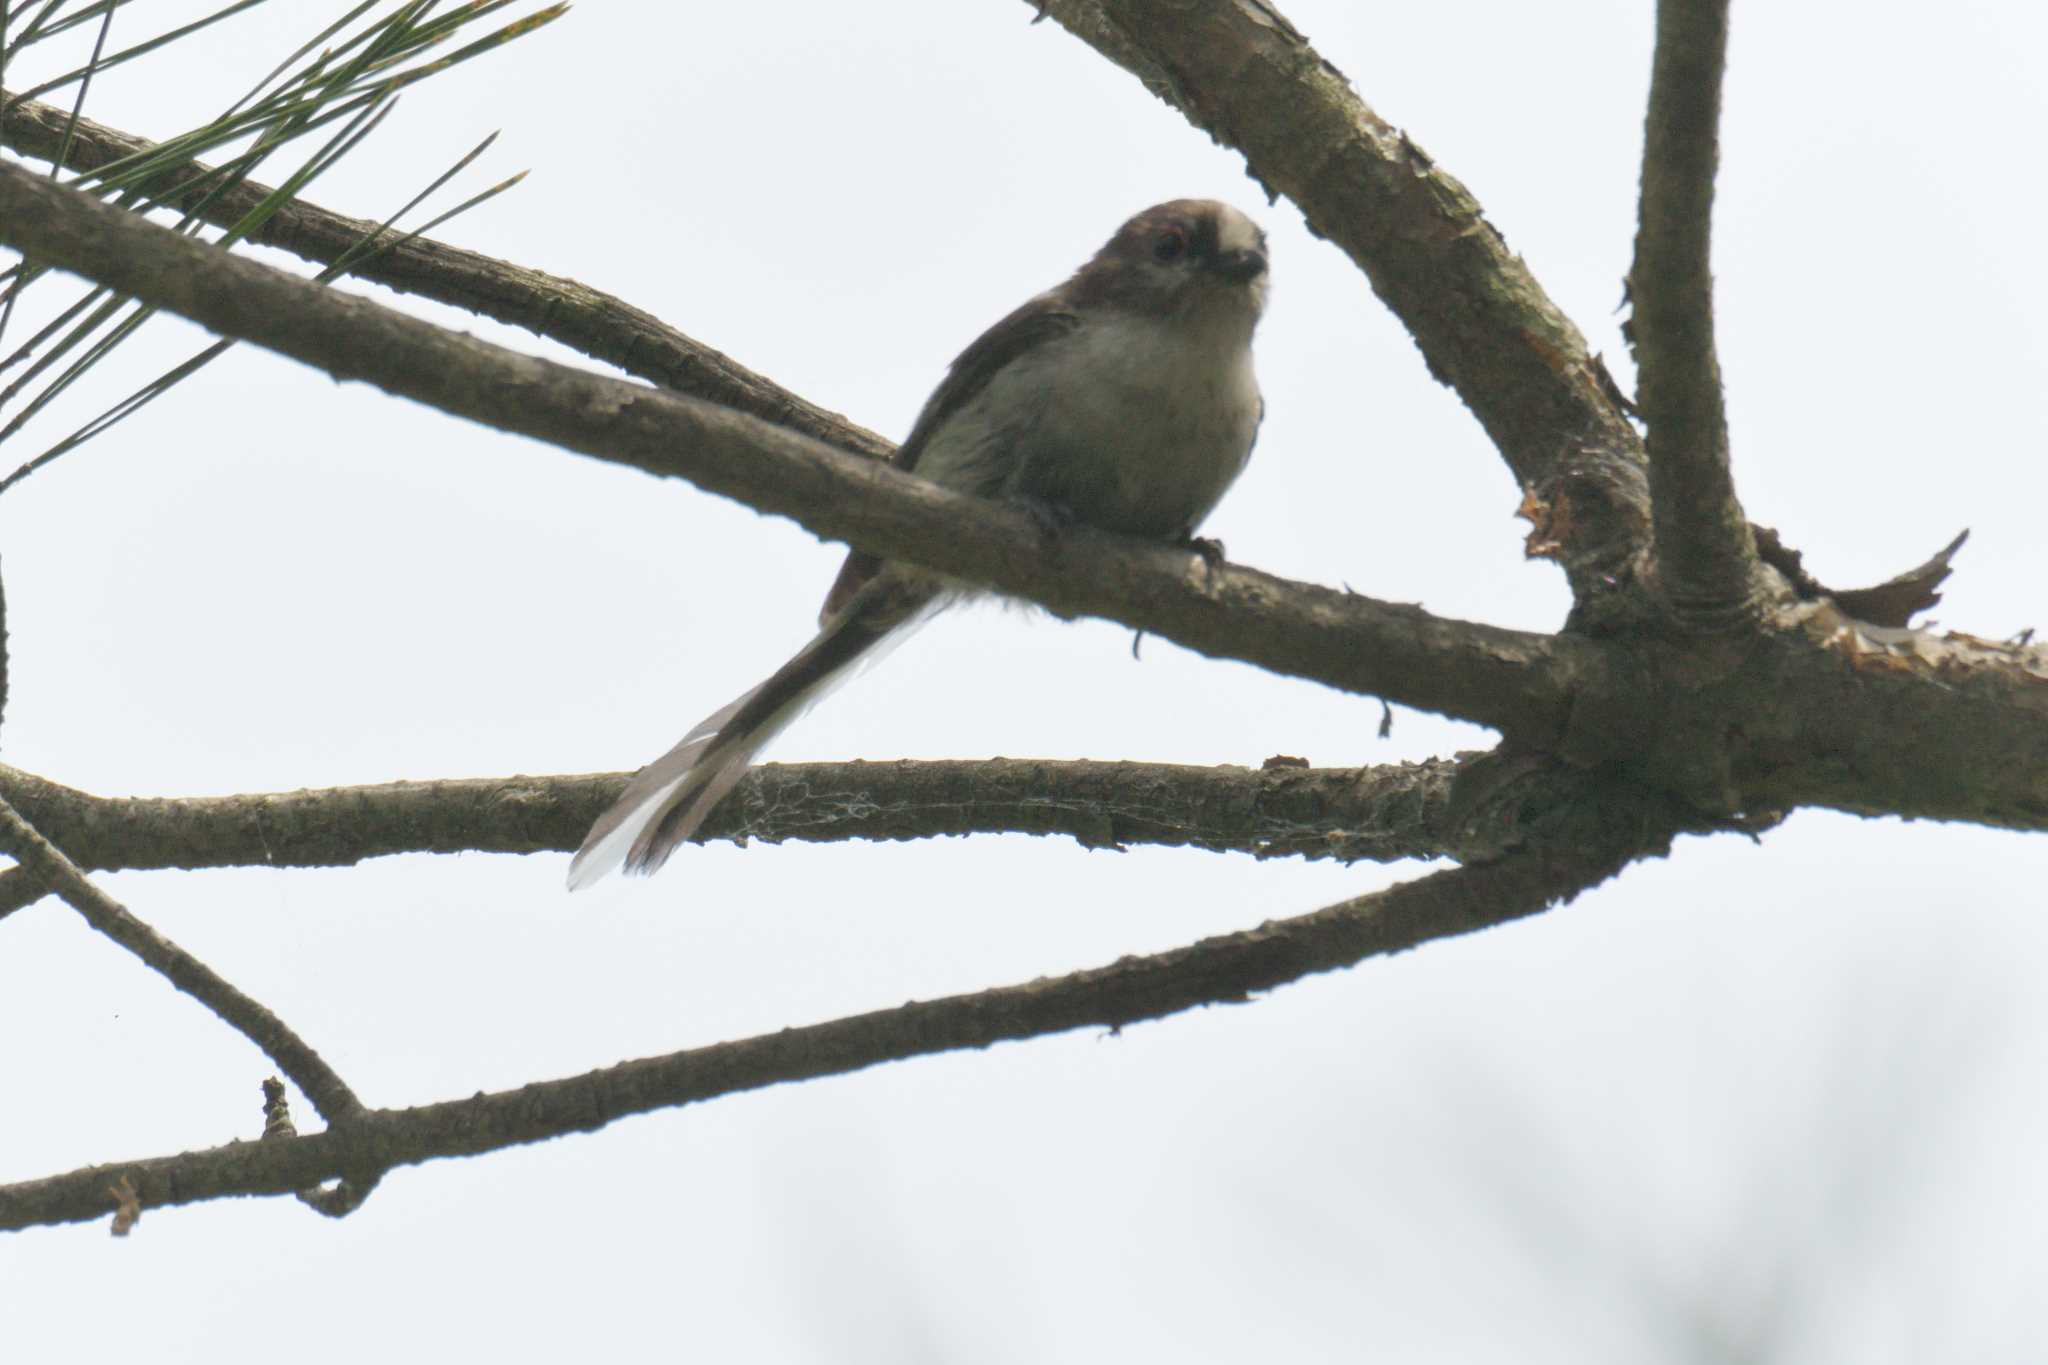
x=1240 y=72
x=1383 y=814
x=1706 y=559
x=40 y=859
x=1512 y=680
x=1924 y=724
x=584 y=319
x=1227 y=969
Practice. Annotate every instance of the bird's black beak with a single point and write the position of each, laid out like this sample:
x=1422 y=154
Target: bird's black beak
x=1240 y=267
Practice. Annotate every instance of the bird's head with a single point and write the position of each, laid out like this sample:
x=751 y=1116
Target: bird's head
x=1183 y=258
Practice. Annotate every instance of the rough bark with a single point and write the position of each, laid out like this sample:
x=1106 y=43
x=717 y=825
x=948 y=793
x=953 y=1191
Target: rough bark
x=1380 y=814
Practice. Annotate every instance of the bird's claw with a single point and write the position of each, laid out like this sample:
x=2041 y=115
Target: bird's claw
x=1211 y=552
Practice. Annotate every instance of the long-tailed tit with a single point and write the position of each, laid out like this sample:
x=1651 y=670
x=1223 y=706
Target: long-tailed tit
x=1124 y=399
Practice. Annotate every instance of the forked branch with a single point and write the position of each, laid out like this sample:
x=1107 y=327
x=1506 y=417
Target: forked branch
x=308 y=1070
x=1222 y=970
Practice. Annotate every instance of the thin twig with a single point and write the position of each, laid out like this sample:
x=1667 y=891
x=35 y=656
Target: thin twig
x=587 y=320
x=1706 y=557
x=44 y=861
x=1225 y=970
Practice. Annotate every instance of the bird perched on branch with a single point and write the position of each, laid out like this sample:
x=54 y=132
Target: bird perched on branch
x=1124 y=399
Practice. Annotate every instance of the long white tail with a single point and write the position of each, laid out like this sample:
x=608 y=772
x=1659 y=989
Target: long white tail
x=668 y=801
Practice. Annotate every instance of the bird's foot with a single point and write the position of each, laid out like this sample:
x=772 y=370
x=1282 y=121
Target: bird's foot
x=1211 y=552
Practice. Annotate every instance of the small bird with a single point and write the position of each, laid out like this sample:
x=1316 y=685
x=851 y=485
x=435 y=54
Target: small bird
x=1123 y=399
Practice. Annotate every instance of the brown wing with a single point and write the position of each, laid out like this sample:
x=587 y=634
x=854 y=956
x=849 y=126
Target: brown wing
x=1031 y=326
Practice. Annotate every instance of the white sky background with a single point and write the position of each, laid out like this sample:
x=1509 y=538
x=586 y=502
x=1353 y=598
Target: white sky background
x=1780 y=1100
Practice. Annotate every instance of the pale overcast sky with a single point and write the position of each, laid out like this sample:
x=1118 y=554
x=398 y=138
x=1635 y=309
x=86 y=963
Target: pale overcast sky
x=1758 y=1103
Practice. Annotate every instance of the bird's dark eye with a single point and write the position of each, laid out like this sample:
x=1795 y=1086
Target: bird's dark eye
x=1169 y=246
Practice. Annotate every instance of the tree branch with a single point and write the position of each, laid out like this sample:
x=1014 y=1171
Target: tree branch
x=1706 y=558
x=1512 y=680
x=1226 y=969
x=591 y=322
x=1924 y=724
x=1666 y=717
x=42 y=860
x=1240 y=72
x=5 y=650
x=1382 y=814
